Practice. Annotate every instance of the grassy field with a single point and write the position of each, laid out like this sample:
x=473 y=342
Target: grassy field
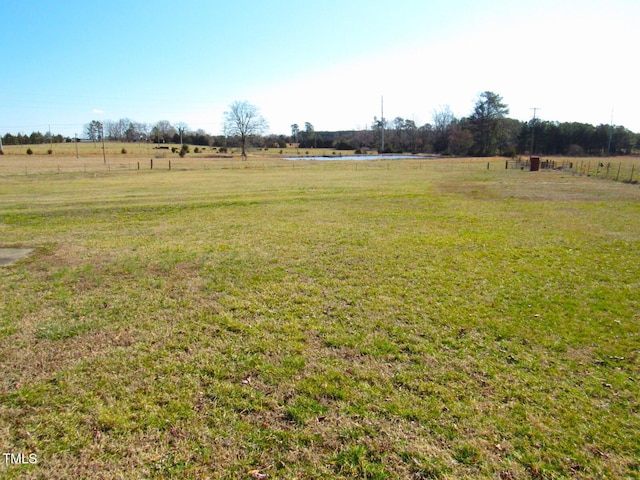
x=67 y=156
x=273 y=319
x=119 y=157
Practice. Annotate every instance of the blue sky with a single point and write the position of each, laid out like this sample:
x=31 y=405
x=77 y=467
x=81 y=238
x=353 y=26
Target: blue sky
x=66 y=63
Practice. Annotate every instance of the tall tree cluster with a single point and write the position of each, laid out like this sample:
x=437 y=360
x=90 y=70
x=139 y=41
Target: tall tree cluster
x=488 y=131
x=486 y=123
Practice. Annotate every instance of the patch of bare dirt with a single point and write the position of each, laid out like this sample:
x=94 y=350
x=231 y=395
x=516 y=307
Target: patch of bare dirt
x=9 y=256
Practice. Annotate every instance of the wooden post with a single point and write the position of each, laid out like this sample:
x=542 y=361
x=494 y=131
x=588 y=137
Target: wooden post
x=151 y=159
x=632 y=169
x=169 y=164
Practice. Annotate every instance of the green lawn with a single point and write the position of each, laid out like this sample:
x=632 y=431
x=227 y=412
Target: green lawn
x=398 y=320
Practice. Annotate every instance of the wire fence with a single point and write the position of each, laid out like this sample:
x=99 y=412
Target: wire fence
x=626 y=170
x=46 y=165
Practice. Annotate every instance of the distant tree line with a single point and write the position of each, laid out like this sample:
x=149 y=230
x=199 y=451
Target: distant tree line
x=33 y=139
x=486 y=131
x=126 y=130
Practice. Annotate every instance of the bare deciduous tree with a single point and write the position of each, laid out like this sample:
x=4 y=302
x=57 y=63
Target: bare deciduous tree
x=244 y=120
x=443 y=123
x=182 y=128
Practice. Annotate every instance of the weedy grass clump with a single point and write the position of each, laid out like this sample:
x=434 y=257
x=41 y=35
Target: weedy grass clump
x=432 y=320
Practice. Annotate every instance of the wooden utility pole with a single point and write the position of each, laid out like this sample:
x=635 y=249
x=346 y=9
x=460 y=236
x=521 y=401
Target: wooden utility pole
x=104 y=155
x=610 y=134
x=382 y=123
x=533 y=128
